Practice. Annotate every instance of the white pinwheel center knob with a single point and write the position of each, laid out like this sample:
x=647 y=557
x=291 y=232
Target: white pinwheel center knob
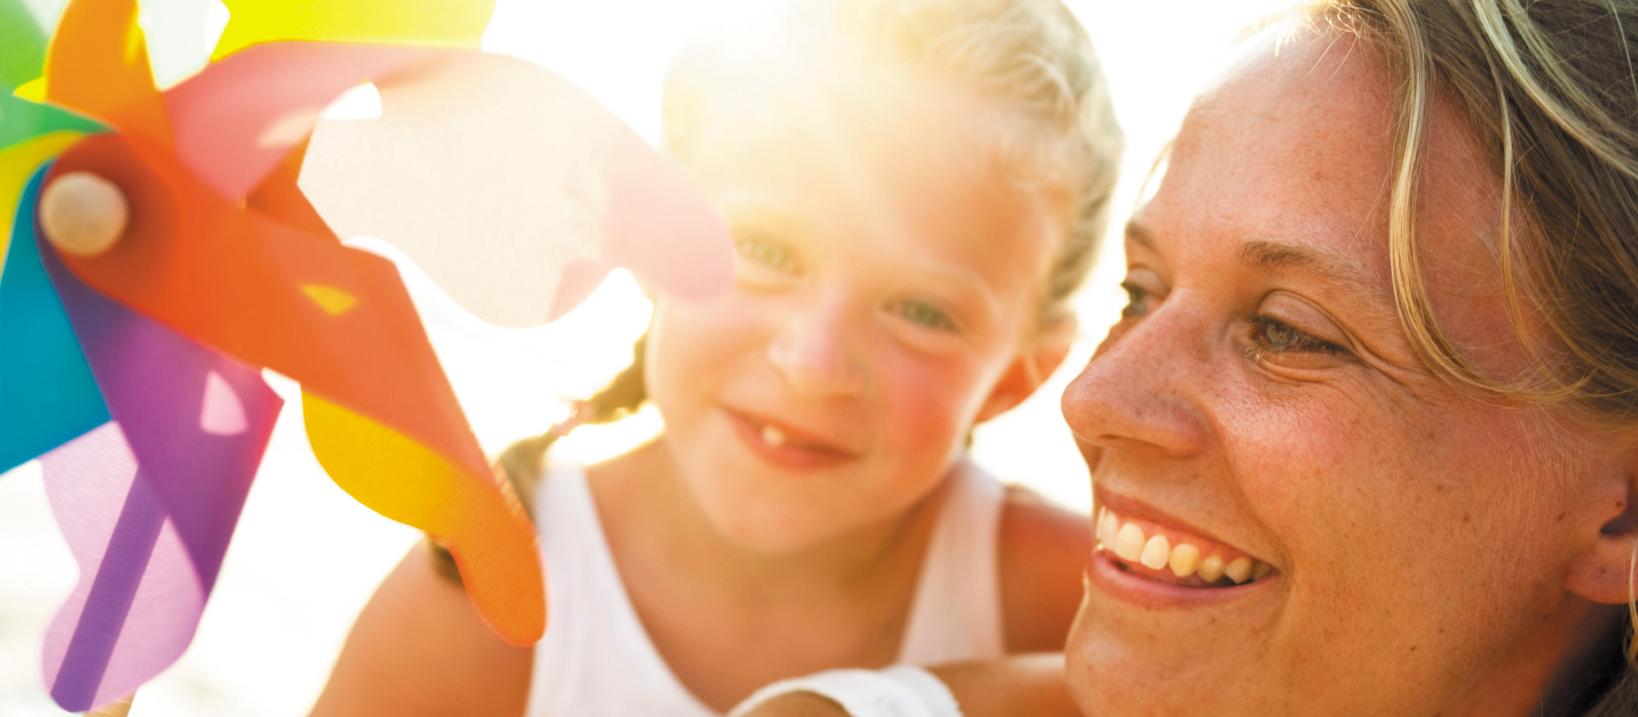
x=83 y=214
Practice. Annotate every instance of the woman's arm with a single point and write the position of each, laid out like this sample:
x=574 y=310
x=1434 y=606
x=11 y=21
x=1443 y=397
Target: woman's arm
x=419 y=648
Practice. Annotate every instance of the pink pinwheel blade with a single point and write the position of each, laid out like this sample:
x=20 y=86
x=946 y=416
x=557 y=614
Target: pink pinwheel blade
x=238 y=118
x=657 y=225
x=494 y=175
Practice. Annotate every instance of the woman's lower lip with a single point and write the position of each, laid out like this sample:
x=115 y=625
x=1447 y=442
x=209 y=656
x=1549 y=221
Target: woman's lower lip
x=787 y=456
x=1104 y=574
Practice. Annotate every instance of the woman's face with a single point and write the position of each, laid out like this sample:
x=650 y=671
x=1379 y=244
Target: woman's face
x=1259 y=399
x=889 y=275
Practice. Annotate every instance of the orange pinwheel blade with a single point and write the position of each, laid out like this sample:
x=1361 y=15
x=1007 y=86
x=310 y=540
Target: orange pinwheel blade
x=336 y=319
x=339 y=321
x=97 y=64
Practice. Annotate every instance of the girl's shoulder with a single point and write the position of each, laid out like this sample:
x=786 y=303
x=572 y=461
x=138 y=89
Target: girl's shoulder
x=420 y=648
x=1044 y=550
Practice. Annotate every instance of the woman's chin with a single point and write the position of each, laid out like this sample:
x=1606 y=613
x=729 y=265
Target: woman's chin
x=1171 y=661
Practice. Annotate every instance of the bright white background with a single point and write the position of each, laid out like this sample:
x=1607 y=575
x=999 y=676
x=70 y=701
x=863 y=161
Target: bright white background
x=306 y=556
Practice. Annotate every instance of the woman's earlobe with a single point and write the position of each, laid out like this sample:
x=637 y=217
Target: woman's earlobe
x=1605 y=573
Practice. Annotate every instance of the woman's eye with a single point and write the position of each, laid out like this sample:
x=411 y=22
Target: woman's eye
x=766 y=254
x=924 y=315
x=1138 y=301
x=1272 y=335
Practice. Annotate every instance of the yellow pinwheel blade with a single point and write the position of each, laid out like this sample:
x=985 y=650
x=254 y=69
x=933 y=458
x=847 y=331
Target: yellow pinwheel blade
x=17 y=163
x=442 y=23
x=484 y=528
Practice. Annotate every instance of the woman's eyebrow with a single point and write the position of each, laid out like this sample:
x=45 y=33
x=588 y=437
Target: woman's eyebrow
x=1336 y=271
x=1342 y=273
x=1339 y=274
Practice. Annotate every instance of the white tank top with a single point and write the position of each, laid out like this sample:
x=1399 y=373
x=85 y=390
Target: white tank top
x=597 y=661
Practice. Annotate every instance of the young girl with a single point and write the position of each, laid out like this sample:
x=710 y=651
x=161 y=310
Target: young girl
x=915 y=188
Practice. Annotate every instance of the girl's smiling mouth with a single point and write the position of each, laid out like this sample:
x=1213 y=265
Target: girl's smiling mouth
x=787 y=446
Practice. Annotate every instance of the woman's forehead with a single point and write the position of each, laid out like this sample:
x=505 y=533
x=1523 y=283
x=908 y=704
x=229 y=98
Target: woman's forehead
x=1295 y=145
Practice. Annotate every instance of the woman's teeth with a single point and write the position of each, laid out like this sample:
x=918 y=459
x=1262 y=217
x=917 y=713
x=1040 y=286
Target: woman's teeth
x=1157 y=552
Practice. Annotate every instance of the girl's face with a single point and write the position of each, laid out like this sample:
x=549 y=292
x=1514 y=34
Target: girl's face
x=889 y=275
x=1259 y=399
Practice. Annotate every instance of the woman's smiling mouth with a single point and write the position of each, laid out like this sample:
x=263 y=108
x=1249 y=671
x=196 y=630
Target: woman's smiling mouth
x=1174 y=556
x=1158 y=562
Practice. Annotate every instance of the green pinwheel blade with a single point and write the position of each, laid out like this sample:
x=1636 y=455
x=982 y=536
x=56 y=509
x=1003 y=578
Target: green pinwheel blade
x=22 y=45
x=21 y=119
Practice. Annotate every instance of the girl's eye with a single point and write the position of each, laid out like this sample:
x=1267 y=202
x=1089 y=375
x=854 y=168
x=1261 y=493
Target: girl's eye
x=1269 y=334
x=924 y=315
x=766 y=253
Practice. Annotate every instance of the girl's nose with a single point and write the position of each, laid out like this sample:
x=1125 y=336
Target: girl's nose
x=1142 y=386
x=812 y=352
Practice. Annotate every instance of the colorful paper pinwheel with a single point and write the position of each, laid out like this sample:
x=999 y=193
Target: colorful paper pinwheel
x=165 y=247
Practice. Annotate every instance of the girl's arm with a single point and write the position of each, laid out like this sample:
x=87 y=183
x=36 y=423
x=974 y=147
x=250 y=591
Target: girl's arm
x=1043 y=554
x=419 y=648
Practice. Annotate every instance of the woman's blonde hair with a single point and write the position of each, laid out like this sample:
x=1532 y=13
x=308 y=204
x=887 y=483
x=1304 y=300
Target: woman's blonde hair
x=1548 y=88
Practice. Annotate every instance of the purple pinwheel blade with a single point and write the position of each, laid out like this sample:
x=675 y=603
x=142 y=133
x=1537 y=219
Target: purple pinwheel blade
x=149 y=502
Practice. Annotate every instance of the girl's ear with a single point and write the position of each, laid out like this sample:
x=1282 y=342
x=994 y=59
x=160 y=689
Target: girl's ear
x=1030 y=368
x=1604 y=573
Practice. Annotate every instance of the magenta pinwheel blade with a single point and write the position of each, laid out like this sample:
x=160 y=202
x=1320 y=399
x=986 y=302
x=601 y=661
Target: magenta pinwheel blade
x=138 y=599
x=147 y=503
x=197 y=420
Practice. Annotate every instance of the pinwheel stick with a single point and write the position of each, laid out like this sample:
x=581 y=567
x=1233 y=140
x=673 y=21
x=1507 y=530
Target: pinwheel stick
x=117 y=709
x=83 y=214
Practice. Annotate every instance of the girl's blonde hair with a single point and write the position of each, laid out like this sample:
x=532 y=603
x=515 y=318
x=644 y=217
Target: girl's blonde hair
x=1549 y=88
x=1029 y=57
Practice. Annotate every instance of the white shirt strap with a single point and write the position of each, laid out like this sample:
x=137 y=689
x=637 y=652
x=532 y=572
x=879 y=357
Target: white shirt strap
x=902 y=691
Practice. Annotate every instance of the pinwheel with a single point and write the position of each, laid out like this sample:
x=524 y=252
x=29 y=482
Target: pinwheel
x=165 y=247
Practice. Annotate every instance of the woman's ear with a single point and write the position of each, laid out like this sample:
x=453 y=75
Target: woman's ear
x=1604 y=573
x=1034 y=363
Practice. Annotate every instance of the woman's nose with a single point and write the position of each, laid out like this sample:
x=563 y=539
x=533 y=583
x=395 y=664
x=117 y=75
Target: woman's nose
x=812 y=351
x=1143 y=386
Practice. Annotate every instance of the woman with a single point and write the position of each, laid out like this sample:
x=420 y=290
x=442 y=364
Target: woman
x=1383 y=340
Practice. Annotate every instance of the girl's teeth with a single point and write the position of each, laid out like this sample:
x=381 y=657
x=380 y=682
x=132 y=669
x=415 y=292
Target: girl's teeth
x=1211 y=569
x=1156 y=552
x=1238 y=569
x=773 y=436
x=1261 y=570
x=1185 y=557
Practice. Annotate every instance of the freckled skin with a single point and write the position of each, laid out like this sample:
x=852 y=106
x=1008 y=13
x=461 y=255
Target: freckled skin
x=1422 y=536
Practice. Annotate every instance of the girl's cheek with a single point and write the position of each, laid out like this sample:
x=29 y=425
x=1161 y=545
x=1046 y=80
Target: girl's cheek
x=928 y=401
